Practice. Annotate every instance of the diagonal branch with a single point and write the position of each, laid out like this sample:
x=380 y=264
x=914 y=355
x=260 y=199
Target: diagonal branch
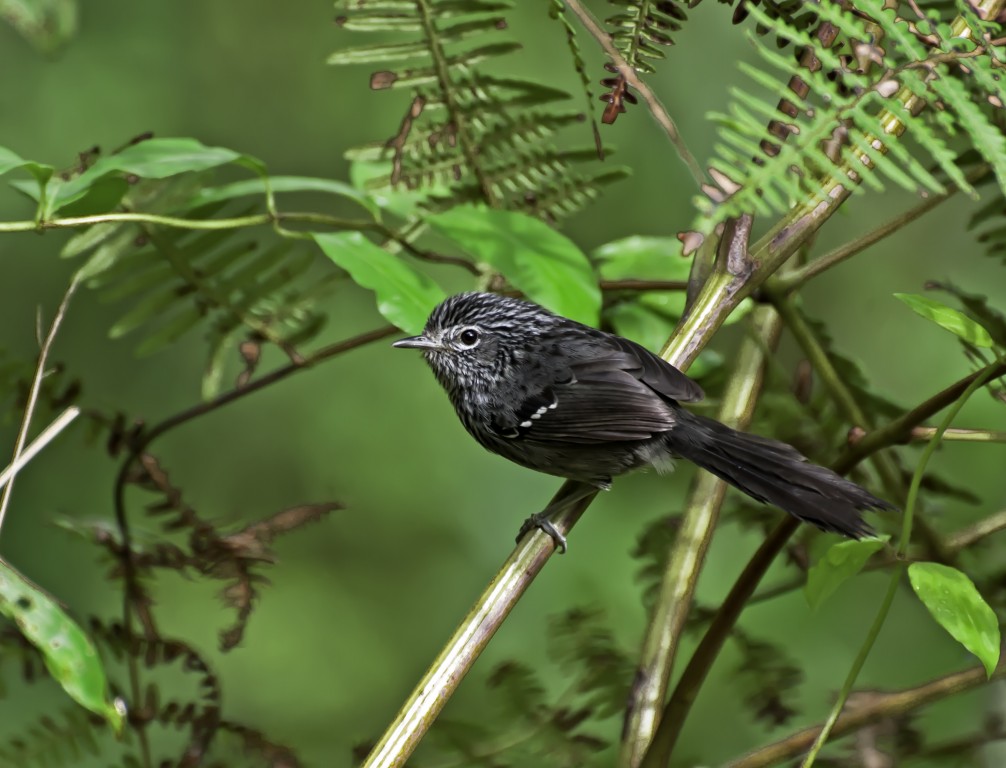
x=877 y=706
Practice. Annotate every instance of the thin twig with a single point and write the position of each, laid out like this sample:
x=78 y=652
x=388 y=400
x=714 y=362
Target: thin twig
x=657 y=109
x=261 y=382
x=959 y=435
x=45 y=437
x=987 y=526
x=33 y=393
x=879 y=705
x=177 y=222
x=899 y=430
x=796 y=278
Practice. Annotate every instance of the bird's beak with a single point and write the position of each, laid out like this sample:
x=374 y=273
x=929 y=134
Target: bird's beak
x=416 y=342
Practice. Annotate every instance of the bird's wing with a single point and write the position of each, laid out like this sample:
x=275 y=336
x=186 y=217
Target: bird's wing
x=615 y=390
x=658 y=374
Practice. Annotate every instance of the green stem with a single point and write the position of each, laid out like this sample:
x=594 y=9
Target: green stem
x=901 y=428
x=236 y=222
x=690 y=545
x=961 y=435
x=892 y=587
x=797 y=277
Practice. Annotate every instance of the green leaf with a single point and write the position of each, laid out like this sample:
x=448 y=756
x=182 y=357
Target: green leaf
x=959 y=608
x=151 y=159
x=949 y=318
x=11 y=161
x=645 y=258
x=405 y=296
x=68 y=653
x=840 y=563
x=545 y=265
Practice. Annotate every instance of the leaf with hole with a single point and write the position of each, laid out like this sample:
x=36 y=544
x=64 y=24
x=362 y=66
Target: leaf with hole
x=958 y=607
x=405 y=296
x=69 y=655
x=545 y=265
x=949 y=318
x=840 y=563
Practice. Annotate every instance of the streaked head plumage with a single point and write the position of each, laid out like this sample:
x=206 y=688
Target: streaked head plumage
x=472 y=334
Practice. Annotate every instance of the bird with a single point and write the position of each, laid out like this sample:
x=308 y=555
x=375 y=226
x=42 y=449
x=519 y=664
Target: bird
x=560 y=397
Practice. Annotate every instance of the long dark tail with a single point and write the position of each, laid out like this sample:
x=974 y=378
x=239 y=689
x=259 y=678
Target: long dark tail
x=775 y=473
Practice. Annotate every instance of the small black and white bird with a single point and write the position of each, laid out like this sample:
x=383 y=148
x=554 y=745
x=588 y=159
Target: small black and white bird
x=563 y=398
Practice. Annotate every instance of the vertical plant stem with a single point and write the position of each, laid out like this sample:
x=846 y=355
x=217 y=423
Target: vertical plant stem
x=688 y=552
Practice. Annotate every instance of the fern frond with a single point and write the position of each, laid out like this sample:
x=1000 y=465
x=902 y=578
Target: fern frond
x=990 y=221
x=468 y=135
x=643 y=29
x=857 y=114
x=557 y=10
x=175 y=281
x=639 y=32
x=63 y=740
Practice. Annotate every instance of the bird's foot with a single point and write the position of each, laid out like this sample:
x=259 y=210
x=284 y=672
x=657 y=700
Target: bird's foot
x=540 y=521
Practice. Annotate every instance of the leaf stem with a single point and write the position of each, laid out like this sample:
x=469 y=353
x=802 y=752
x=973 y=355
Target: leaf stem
x=897 y=573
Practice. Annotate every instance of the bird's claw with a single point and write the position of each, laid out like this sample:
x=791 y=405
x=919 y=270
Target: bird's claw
x=540 y=522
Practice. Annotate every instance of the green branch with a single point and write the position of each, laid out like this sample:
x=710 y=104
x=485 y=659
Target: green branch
x=797 y=277
x=702 y=509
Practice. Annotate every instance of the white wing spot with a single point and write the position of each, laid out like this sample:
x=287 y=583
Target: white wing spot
x=553 y=405
x=526 y=424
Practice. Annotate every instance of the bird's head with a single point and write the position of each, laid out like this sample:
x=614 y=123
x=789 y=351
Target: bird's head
x=475 y=338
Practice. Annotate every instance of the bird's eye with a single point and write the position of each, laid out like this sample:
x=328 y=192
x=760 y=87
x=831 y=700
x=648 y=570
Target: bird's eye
x=469 y=337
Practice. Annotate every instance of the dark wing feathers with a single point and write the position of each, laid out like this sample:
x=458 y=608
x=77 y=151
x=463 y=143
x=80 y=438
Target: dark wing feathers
x=656 y=373
x=618 y=391
x=600 y=410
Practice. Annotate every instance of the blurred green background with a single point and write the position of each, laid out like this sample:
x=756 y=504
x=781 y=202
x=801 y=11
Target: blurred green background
x=361 y=603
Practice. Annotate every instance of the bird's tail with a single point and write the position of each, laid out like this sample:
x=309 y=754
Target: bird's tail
x=775 y=473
